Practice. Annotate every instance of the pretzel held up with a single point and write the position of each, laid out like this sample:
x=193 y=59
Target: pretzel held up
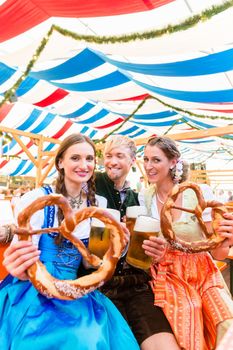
x=211 y=240
x=45 y=283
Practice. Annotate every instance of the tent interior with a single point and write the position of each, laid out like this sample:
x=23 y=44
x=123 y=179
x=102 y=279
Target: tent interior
x=137 y=68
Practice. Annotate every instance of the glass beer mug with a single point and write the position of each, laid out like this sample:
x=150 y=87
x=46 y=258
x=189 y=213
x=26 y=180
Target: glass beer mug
x=145 y=227
x=131 y=215
x=100 y=236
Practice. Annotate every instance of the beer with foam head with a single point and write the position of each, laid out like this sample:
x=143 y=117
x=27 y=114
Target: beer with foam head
x=131 y=215
x=145 y=227
x=99 y=239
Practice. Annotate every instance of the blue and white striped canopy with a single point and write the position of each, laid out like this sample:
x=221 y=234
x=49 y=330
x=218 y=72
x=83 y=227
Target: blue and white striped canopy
x=92 y=88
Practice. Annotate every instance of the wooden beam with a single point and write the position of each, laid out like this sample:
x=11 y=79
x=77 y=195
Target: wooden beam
x=46 y=172
x=212 y=171
x=28 y=134
x=220 y=131
x=25 y=149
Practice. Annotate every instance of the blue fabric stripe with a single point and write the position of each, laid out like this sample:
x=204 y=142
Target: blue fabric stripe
x=157 y=123
x=92 y=134
x=19 y=167
x=30 y=120
x=44 y=123
x=101 y=114
x=9 y=146
x=29 y=168
x=160 y=115
x=108 y=81
x=6 y=72
x=140 y=132
x=52 y=173
x=196 y=142
x=200 y=123
x=49 y=147
x=191 y=96
x=26 y=86
x=79 y=112
x=84 y=130
x=128 y=131
x=211 y=64
x=79 y=64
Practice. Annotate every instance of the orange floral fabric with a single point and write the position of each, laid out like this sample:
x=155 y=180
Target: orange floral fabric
x=190 y=290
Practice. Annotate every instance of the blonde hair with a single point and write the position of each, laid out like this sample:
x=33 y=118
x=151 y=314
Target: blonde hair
x=119 y=141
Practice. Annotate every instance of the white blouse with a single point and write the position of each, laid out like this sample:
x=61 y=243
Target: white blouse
x=207 y=194
x=81 y=231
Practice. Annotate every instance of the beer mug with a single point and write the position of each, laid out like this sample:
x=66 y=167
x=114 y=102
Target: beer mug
x=131 y=215
x=229 y=206
x=99 y=239
x=145 y=227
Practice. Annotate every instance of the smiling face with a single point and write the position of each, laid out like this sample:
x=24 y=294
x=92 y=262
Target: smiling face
x=157 y=165
x=78 y=163
x=118 y=162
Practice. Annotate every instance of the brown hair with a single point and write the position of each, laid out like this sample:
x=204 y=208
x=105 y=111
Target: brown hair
x=169 y=148
x=60 y=183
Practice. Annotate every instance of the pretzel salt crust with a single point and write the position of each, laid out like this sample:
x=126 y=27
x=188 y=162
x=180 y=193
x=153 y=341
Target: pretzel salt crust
x=212 y=240
x=45 y=283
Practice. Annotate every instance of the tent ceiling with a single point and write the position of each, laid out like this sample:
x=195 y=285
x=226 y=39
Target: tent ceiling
x=93 y=89
x=18 y=16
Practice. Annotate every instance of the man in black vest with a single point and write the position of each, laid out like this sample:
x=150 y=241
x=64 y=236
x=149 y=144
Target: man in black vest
x=129 y=289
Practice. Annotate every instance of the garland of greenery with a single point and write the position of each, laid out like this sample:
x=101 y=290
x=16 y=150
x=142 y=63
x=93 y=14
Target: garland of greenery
x=185 y=111
x=11 y=92
x=6 y=138
x=103 y=139
x=188 y=23
x=156 y=33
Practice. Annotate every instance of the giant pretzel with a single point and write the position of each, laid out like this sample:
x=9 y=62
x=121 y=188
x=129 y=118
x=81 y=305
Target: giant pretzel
x=72 y=289
x=211 y=240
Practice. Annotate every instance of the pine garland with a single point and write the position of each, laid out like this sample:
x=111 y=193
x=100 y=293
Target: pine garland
x=188 y=23
x=152 y=34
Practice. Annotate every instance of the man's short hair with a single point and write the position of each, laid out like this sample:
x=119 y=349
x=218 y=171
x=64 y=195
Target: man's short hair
x=119 y=141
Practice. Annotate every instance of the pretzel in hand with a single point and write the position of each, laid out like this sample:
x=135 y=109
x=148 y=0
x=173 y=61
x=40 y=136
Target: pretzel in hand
x=45 y=283
x=210 y=240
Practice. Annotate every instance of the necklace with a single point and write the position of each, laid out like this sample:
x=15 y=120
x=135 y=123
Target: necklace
x=75 y=202
x=159 y=199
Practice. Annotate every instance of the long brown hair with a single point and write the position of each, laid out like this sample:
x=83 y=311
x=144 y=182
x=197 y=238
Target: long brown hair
x=60 y=181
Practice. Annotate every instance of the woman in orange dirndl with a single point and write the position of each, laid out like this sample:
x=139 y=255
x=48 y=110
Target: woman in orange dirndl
x=188 y=286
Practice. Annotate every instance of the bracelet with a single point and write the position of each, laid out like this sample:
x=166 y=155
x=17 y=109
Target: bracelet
x=8 y=234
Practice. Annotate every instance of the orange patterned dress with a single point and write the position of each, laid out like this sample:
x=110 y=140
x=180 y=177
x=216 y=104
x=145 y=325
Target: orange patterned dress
x=189 y=287
x=190 y=290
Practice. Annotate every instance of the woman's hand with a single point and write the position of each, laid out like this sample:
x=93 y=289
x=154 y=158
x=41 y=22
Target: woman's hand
x=18 y=257
x=155 y=247
x=225 y=229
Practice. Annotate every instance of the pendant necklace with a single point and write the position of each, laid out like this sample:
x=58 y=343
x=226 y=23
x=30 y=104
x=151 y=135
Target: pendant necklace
x=75 y=202
x=159 y=199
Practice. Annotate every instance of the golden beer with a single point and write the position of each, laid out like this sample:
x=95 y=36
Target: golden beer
x=131 y=215
x=99 y=239
x=145 y=227
x=229 y=206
